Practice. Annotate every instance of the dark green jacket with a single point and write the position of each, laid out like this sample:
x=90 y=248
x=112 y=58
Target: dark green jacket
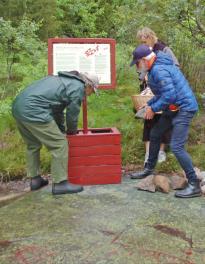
x=46 y=99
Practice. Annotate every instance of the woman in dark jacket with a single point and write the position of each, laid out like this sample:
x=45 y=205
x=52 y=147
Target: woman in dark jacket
x=148 y=37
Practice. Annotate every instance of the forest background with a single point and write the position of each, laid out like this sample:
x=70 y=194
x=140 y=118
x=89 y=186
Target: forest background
x=25 y=27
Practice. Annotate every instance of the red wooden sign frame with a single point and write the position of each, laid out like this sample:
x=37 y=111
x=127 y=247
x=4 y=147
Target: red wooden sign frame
x=110 y=41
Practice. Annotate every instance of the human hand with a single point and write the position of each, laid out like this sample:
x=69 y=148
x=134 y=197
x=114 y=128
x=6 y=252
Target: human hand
x=149 y=114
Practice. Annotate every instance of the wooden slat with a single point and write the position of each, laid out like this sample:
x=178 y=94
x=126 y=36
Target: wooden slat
x=95 y=150
x=113 y=179
x=94 y=160
x=94 y=170
x=84 y=140
x=89 y=175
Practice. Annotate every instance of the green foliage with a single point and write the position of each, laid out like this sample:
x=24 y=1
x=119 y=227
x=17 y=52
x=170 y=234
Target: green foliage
x=84 y=18
x=5 y=107
x=80 y=18
x=190 y=17
x=23 y=57
x=17 y=41
x=126 y=74
x=190 y=56
x=12 y=152
x=36 y=11
x=44 y=11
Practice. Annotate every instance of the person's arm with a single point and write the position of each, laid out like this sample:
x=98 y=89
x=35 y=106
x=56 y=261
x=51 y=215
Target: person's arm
x=59 y=119
x=72 y=113
x=167 y=92
x=58 y=116
x=72 y=95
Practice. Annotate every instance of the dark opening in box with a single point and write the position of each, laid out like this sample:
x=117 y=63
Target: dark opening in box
x=108 y=130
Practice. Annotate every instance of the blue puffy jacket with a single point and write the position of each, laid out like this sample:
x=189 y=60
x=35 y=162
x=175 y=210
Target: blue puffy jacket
x=169 y=86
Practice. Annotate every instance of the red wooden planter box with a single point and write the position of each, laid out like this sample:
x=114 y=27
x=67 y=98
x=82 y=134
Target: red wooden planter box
x=95 y=157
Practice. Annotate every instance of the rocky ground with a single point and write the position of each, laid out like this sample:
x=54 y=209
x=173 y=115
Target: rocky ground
x=162 y=182
x=104 y=224
x=11 y=187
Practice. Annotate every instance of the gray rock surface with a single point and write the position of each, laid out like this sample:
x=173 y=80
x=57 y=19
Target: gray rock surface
x=110 y=224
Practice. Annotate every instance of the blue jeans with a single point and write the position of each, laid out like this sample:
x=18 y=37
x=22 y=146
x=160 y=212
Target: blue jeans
x=179 y=123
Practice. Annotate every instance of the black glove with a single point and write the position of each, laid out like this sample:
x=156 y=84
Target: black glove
x=62 y=128
x=72 y=132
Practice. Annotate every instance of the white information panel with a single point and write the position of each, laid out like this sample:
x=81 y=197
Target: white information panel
x=91 y=58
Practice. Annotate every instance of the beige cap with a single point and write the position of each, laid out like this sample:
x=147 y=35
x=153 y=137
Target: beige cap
x=94 y=80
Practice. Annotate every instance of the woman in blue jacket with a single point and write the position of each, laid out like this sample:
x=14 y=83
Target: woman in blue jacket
x=175 y=98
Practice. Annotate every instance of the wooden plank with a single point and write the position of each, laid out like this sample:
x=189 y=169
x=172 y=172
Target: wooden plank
x=95 y=150
x=94 y=160
x=112 y=179
x=94 y=171
x=97 y=136
x=94 y=140
x=90 y=141
x=91 y=175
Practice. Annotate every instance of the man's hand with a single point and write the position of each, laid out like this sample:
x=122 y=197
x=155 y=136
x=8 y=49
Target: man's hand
x=149 y=114
x=72 y=132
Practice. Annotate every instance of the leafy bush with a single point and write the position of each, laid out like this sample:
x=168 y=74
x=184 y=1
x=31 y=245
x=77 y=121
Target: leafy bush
x=191 y=58
x=126 y=74
x=22 y=55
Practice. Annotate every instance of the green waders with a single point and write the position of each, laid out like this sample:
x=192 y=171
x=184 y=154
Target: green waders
x=37 y=134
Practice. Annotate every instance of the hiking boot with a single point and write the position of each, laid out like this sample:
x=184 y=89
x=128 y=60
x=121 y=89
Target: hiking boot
x=64 y=187
x=161 y=156
x=37 y=182
x=191 y=190
x=141 y=174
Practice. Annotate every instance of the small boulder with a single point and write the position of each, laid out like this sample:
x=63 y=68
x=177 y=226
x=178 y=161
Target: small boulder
x=177 y=182
x=147 y=184
x=203 y=189
x=202 y=184
x=202 y=173
x=198 y=173
x=162 y=183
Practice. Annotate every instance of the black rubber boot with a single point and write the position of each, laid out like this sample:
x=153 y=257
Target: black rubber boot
x=37 y=182
x=64 y=187
x=191 y=190
x=141 y=174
